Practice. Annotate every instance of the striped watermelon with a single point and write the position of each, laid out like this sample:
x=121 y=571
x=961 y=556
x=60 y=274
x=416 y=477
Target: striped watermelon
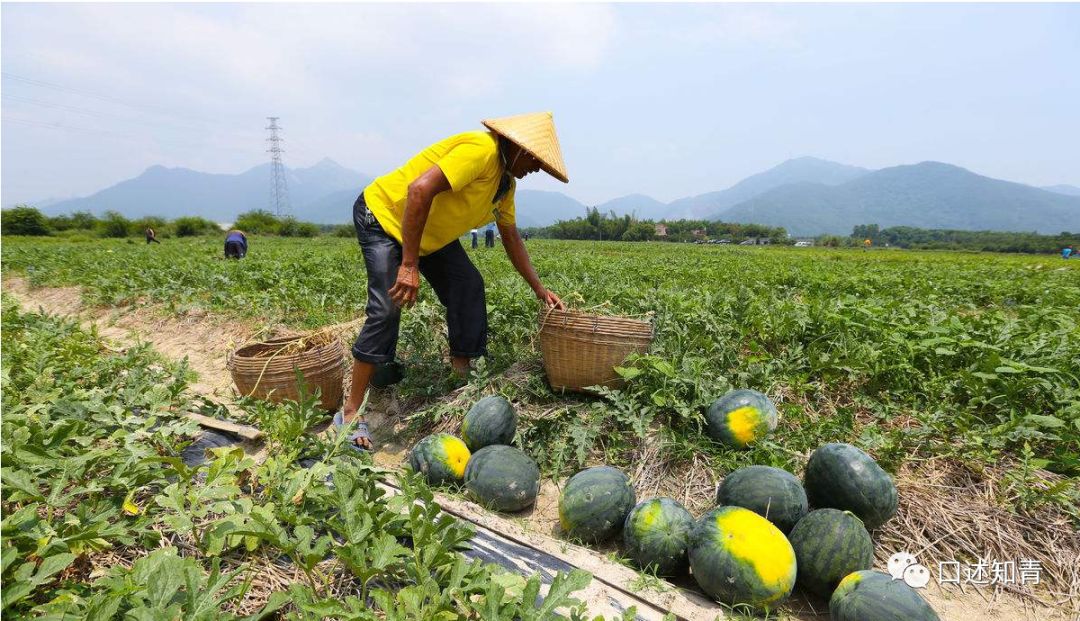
x=830 y=544
x=491 y=421
x=740 y=558
x=740 y=418
x=441 y=458
x=656 y=534
x=594 y=504
x=772 y=493
x=502 y=478
x=840 y=476
x=874 y=596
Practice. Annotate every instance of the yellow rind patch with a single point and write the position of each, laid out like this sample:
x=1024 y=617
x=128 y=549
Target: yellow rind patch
x=648 y=515
x=457 y=455
x=754 y=540
x=743 y=423
x=849 y=581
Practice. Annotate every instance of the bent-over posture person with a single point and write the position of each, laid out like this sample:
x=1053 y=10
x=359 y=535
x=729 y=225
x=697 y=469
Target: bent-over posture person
x=408 y=223
x=235 y=244
x=151 y=236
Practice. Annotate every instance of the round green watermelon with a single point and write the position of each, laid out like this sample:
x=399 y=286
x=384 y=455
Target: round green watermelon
x=656 y=534
x=840 y=476
x=491 y=421
x=740 y=558
x=874 y=596
x=502 y=478
x=440 y=457
x=740 y=418
x=772 y=493
x=594 y=504
x=830 y=544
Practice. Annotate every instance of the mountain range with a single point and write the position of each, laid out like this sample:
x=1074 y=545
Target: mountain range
x=806 y=195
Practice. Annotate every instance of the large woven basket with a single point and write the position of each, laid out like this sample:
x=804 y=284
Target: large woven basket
x=582 y=350
x=267 y=370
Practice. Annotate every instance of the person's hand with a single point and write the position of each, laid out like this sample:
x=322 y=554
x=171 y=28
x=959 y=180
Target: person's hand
x=550 y=299
x=404 y=291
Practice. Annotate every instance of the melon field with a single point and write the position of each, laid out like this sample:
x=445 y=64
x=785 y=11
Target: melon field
x=959 y=373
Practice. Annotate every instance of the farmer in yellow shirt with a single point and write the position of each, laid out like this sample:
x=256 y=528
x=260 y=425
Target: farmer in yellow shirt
x=408 y=223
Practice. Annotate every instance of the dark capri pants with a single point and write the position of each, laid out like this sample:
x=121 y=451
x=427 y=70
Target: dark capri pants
x=448 y=270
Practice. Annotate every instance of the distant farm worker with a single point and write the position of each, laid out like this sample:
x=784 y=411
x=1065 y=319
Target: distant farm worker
x=1066 y=252
x=151 y=236
x=235 y=244
x=489 y=236
x=474 y=236
x=408 y=223
x=867 y=243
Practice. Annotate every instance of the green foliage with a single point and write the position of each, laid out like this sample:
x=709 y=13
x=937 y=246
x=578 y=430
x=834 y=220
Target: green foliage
x=89 y=446
x=610 y=227
x=291 y=227
x=191 y=226
x=23 y=220
x=112 y=224
x=988 y=241
x=257 y=222
x=79 y=220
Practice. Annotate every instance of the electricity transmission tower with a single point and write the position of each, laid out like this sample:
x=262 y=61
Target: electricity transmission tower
x=279 y=186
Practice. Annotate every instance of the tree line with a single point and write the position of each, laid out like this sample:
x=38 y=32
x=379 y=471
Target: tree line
x=26 y=220
x=944 y=239
x=610 y=227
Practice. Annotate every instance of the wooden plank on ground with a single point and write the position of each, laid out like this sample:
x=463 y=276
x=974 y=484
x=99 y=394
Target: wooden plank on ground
x=244 y=431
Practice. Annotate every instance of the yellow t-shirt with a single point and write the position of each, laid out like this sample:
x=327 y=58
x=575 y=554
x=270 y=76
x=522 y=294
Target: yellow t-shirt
x=471 y=163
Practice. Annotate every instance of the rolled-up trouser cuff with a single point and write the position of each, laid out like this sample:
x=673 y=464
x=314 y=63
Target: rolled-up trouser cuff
x=468 y=354
x=360 y=356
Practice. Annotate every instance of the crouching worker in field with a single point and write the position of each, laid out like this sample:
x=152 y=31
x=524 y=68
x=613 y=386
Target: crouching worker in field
x=408 y=223
x=235 y=244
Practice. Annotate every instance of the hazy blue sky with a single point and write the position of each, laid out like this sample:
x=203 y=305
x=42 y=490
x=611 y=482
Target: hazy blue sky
x=668 y=100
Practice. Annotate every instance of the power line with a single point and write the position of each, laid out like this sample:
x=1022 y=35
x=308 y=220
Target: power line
x=279 y=186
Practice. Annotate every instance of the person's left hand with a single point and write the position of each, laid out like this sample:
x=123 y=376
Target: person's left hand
x=550 y=299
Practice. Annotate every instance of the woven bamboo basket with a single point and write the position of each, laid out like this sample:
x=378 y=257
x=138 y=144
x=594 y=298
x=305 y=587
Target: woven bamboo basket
x=267 y=370
x=582 y=349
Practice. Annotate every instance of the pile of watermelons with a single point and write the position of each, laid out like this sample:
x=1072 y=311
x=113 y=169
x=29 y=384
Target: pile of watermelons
x=760 y=540
x=497 y=475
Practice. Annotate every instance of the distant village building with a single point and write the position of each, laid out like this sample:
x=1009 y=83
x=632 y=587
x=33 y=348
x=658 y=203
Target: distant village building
x=755 y=241
x=661 y=230
x=698 y=233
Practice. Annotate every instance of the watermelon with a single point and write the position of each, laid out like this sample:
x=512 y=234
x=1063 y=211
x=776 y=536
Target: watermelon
x=440 y=457
x=830 y=544
x=491 y=421
x=502 y=478
x=840 y=476
x=740 y=558
x=594 y=504
x=874 y=596
x=740 y=417
x=772 y=493
x=656 y=534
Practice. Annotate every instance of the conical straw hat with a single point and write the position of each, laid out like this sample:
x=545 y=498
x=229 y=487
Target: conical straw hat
x=535 y=133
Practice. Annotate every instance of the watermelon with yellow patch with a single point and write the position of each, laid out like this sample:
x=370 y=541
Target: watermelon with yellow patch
x=656 y=534
x=740 y=558
x=740 y=418
x=873 y=596
x=441 y=458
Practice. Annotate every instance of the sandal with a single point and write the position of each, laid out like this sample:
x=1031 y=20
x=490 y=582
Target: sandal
x=361 y=432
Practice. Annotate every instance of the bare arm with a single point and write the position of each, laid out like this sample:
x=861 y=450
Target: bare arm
x=519 y=257
x=417 y=207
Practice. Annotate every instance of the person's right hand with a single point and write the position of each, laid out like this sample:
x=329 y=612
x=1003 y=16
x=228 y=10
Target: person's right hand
x=404 y=291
